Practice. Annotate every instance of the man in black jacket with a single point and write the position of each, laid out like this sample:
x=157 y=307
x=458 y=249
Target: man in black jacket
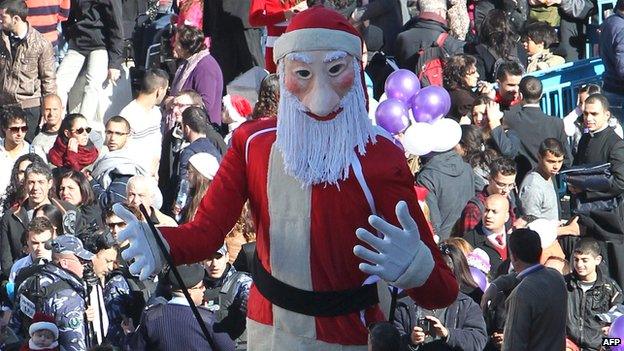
x=532 y=126
x=422 y=32
x=601 y=145
x=94 y=31
x=590 y=292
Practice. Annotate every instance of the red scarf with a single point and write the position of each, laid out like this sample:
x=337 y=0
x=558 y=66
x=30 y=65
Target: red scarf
x=61 y=156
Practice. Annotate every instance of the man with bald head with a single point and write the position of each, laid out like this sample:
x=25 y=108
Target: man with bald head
x=52 y=115
x=490 y=235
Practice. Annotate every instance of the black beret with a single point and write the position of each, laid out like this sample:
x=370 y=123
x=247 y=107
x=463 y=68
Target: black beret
x=191 y=275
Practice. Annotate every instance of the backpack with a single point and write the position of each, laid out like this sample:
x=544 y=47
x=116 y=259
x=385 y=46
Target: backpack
x=32 y=295
x=431 y=62
x=140 y=293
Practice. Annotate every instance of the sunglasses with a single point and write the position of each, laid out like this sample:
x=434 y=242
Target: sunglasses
x=82 y=130
x=23 y=129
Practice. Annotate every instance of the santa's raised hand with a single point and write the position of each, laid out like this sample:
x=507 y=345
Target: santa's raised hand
x=143 y=249
x=400 y=257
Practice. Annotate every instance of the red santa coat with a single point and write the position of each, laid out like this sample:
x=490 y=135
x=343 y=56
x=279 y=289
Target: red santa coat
x=270 y=13
x=305 y=237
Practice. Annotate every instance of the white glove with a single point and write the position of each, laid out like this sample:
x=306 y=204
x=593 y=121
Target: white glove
x=148 y=259
x=401 y=258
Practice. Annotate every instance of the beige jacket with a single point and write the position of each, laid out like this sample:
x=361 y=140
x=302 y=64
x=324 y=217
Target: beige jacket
x=28 y=76
x=544 y=60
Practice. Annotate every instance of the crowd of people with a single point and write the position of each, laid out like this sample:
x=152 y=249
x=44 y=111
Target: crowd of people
x=533 y=252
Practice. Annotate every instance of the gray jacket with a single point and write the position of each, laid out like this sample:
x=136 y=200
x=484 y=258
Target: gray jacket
x=450 y=182
x=536 y=313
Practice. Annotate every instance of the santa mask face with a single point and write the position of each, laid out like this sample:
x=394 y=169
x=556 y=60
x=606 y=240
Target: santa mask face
x=322 y=119
x=319 y=80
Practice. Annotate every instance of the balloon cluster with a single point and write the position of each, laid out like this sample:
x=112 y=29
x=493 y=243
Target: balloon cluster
x=418 y=114
x=617 y=331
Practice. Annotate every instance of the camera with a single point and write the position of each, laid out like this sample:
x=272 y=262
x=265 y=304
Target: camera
x=426 y=325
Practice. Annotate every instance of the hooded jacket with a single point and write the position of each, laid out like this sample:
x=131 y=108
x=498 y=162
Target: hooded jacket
x=450 y=182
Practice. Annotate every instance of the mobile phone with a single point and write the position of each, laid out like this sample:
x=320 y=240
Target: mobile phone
x=426 y=325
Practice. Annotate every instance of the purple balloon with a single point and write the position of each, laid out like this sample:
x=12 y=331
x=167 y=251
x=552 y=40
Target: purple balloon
x=479 y=277
x=617 y=331
x=430 y=104
x=392 y=116
x=402 y=84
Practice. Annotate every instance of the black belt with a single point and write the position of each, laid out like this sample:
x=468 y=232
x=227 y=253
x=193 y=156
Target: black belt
x=312 y=303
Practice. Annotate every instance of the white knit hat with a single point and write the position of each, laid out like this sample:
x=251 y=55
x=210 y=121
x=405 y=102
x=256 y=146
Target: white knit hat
x=205 y=163
x=547 y=230
x=43 y=322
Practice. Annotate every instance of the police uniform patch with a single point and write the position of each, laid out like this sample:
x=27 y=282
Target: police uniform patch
x=74 y=323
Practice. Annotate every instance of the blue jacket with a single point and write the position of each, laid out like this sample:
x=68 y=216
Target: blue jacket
x=612 y=53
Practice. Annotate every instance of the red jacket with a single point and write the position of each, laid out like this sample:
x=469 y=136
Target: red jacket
x=270 y=14
x=309 y=236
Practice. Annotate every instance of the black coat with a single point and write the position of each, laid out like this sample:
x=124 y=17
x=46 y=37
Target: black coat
x=422 y=33
x=532 y=126
x=385 y=14
x=463 y=319
x=461 y=103
x=477 y=239
x=603 y=147
x=486 y=60
x=582 y=326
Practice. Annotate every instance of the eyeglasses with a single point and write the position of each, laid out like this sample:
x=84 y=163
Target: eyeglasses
x=111 y=132
x=23 y=129
x=82 y=130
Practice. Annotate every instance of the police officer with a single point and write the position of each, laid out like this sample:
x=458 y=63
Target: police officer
x=57 y=289
x=172 y=326
x=227 y=291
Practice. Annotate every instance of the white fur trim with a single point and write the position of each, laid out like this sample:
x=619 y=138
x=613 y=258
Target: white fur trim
x=43 y=325
x=33 y=347
x=290 y=207
x=418 y=271
x=234 y=115
x=312 y=39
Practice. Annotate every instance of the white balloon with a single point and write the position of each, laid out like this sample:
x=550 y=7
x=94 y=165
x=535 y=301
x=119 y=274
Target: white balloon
x=418 y=139
x=383 y=98
x=447 y=134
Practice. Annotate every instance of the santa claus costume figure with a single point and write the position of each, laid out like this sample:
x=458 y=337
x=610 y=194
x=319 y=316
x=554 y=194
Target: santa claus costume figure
x=274 y=15
x=320 y=180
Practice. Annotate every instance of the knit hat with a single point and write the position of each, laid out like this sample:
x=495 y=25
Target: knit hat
x=43 y=321
x=318 y=28
x=546 y=229
x=205 y=163
x=432 y=5
x=237 y=107
x=480 y=260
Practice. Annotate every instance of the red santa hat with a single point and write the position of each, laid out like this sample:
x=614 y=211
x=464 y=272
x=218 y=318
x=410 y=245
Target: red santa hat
x=318 y=28
x=237 y=107
x=43 y=321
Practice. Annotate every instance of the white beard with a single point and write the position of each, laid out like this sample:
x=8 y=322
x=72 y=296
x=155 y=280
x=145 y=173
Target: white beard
x=318 y=152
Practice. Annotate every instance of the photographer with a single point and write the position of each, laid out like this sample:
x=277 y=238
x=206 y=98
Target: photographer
x=101 y=243
x=457 y=327
x=56 y=288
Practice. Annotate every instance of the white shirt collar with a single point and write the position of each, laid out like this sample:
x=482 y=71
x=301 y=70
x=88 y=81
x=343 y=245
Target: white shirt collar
x=178 y=300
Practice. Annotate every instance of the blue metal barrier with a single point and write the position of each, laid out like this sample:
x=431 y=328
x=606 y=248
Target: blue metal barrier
x=604 y=8
x=561 y=84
